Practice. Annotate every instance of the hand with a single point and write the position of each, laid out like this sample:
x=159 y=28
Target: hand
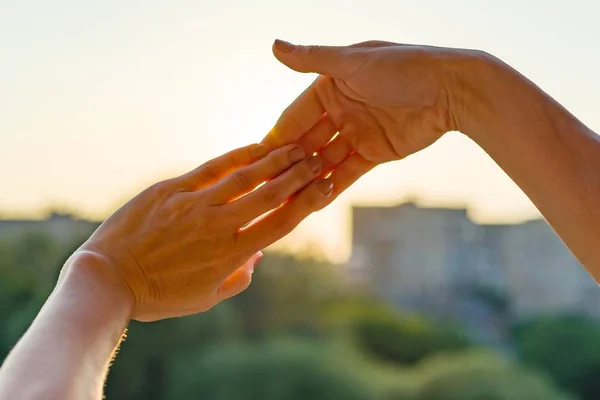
x=386 y=100
x=175 y=249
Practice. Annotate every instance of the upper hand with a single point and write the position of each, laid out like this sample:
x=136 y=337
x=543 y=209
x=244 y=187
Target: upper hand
x=386 y=100
x=176 y=248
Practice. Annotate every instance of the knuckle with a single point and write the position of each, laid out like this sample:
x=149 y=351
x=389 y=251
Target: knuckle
x=160 y=189
x=272 y=197
x=207 y=172
x=241 y=180
x=314 y=50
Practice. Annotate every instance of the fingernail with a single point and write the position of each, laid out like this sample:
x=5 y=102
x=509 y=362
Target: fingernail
x=325 y=187
x=297 y=154
x=259 y=151
x=284 y=47
x=315 y=164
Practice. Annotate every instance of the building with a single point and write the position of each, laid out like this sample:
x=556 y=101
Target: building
x=438 y=260
x=63 y=227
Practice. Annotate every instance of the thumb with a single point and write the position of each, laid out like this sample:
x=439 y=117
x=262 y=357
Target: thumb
x=336 y=62
x=239 y=280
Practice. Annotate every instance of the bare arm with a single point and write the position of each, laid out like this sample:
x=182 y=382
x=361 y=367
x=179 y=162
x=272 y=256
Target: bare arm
x=390 y=100
x=176 y=249
x=66 y=352
x=552 y=156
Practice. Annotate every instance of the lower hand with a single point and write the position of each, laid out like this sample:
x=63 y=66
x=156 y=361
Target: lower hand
x=176 y=248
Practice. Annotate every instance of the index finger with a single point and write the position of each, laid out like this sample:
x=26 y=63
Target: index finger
x=297 y=119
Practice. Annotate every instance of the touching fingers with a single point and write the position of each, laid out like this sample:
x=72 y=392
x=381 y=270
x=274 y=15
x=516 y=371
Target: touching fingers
x=284 y=219
x=348 y=172
x=245 y=179
x=335 y=153
x=215 y=169
x=272 y=194
x=318 y=136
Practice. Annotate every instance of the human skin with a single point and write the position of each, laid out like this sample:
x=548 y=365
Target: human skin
x=178 y=248
x=387 y=101
x=390 y=100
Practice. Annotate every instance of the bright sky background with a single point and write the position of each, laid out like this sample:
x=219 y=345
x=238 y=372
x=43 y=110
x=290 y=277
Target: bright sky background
x=100 y=98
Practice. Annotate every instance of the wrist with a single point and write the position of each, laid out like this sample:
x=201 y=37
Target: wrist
x=89 y=280
x=477 y=83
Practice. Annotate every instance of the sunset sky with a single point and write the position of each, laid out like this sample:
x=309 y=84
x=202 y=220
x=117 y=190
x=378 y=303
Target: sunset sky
x=98 y=99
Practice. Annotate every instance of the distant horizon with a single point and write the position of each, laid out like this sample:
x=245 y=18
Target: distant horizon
x=287 y=242
x=100 y=100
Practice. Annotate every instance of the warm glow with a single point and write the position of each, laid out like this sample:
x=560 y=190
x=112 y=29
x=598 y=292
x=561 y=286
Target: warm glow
x=101 y=101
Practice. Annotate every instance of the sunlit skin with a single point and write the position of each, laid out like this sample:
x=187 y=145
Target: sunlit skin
x=176 y=249
x=391 y=100
x=201 y=214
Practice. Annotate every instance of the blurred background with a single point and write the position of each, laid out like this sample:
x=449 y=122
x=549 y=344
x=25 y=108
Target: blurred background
x=433 y=278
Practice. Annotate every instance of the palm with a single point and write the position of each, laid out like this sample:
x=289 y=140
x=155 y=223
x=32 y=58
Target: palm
x=387 y=101
x=384 y=122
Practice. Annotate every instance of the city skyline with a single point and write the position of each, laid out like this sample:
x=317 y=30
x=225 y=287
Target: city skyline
x=99 y=100
x=428 y=259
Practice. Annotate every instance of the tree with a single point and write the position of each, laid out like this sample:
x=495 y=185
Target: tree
x=479 y=375
x=29 y=264
x=398 y=338
x=270 y=371
x=286 y=295
x=567 y=348
x=145 y=358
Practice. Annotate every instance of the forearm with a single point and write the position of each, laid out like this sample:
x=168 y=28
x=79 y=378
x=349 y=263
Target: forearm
x=551 y=155
x=66 y=352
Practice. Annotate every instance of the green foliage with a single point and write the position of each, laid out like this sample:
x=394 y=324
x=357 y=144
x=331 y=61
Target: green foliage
x=145 y=357
x=287 y=294
x=477 y=375
x=567 y=348
x=337 y=345
x=271 y=371
x=393 y=337
x=29 y=266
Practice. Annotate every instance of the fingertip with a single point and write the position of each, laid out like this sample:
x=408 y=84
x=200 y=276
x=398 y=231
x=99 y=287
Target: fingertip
x=283 y=46
x=325 y=187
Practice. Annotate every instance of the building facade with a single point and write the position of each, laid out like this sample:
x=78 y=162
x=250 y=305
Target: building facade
x=437 y=260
